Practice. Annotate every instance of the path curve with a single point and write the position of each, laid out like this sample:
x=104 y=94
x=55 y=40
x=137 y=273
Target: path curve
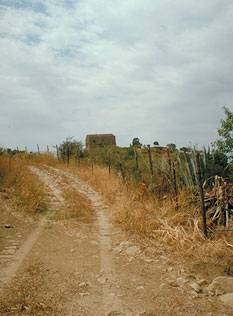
x=111 y=304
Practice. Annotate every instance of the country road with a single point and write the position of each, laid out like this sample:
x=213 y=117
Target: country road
x=92 y=268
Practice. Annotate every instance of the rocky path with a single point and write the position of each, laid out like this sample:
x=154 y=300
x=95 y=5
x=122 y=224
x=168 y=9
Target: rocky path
x=72 y=267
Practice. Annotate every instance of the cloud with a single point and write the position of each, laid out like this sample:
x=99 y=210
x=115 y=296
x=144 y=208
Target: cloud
x=160 y=70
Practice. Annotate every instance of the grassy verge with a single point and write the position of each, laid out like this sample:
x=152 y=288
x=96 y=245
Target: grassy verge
x=178 y=232
x=20 y=184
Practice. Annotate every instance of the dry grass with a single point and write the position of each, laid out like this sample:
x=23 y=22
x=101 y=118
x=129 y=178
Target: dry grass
x=76 y=206
x=27 y=296
x=47 y=159
x=21 y=184
x=100 y=180
x=138 y=211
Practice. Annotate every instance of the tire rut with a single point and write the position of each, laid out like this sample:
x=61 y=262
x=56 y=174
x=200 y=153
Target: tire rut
x=15 y=258
x=112 y=304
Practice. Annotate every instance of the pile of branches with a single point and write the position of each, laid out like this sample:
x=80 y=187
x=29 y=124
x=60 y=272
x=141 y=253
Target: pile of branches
x=219 y=201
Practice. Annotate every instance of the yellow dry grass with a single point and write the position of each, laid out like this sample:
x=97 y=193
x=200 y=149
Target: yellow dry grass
x=21 y=184
x=47 y=159
x=76 y=206
x=138 y=211
x=99 y=179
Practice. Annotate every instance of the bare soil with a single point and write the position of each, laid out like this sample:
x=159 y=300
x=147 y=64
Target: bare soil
x=77 y=267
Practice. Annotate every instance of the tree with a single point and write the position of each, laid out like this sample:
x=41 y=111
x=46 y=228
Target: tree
x=225 y=142
x=185 y=149
x=136 y=142
x=171 y=146
x=70 y=148
x=216 y=164
x=156 y=143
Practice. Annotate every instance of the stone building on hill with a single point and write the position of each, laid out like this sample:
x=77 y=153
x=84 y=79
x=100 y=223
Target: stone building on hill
x=100 y=140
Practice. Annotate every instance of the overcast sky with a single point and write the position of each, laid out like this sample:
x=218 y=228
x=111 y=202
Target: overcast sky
x=157 y=69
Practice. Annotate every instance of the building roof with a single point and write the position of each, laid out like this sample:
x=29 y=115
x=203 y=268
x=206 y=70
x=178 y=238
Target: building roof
x=98 y=135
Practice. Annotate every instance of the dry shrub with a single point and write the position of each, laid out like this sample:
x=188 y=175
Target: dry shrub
x=23 y=185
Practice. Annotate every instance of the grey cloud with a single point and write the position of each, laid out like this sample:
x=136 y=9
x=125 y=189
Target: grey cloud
x=35 y=5
x=160 y=70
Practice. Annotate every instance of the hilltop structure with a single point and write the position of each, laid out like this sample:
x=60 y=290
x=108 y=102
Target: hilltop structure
x=100 y=140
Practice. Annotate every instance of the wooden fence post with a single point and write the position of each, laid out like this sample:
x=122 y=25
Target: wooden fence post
x=79 y=159
x=109 y=168
x=76 y=157
x=172 y=173
x=201 y=192
x=109 y=162
x=57 y=151
x=10 y=163
x=169 y=161
x=175 y=185
x=150 y=160
x=136 y=158
x=122 y=171
x=38 y=149
x=68 y=154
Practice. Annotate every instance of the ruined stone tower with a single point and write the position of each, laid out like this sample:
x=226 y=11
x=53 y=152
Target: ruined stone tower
x=100 y=140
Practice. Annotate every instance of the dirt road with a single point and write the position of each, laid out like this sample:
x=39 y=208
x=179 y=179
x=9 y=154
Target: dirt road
x=73 y=267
